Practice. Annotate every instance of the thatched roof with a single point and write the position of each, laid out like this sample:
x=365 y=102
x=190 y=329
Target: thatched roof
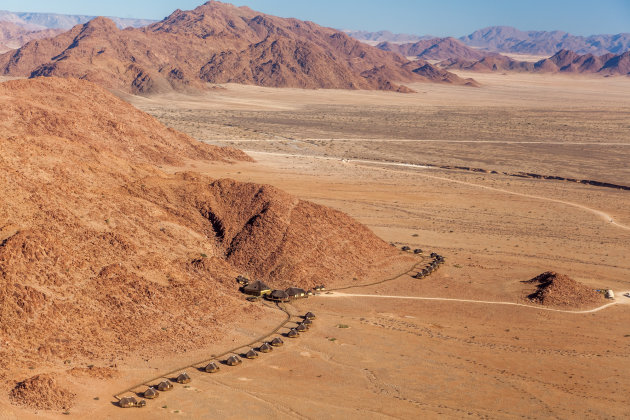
x=265 y=348
x=151 y=393
x=256 y=287
x=212 y=367
x=165 y=386
x=233 y=361
x=295 y=291
x=277 y=342
x=280 y=295
x=183 y=378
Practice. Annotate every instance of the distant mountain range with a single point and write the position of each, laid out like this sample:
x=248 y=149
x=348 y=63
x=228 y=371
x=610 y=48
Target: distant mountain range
x=39 y=21
x=218 y=43
x=505 y=39
x=14 y=35
x=435 y=49
x=510 y=40
x=385 y=36
x=564 y=61
x=452 y=54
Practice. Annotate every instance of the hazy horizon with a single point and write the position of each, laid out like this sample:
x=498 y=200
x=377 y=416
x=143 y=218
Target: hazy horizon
x=454 y=18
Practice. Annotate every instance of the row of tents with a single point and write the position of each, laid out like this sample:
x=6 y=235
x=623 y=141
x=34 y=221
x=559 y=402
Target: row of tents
x=213 y=367
x=431 y=267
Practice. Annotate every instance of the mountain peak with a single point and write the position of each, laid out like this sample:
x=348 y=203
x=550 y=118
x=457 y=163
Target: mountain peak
x=101 y=22
x=214 y=43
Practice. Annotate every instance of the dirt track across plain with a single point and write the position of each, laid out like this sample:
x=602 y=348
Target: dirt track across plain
x=486 y=302
x=599 y=213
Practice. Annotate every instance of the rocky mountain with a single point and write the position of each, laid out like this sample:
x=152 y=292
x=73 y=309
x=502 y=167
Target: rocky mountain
x=215 y=43
x=435 y=49
x=386 y=36
x=570 y=62
x=96 y=240
x=563 y=61
x=507 y=39
x=60 y=21
x=14 y=35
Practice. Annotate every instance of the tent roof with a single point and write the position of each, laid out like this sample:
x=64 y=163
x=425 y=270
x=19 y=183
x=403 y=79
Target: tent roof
x=295 y=291
x=257 y=286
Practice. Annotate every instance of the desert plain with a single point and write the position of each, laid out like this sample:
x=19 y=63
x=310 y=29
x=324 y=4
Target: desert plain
x=481 y=348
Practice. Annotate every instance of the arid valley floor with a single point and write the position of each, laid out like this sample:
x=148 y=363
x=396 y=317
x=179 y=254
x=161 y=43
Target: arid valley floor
x=388 y=355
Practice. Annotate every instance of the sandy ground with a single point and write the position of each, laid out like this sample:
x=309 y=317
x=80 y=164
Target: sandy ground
x=573 y=127
x=406 y=358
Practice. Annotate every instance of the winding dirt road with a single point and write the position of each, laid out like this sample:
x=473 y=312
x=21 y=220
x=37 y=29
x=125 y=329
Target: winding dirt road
x=620 y=300
x=362 y=162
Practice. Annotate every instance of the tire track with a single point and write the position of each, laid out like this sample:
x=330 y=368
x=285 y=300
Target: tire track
x=486 y=302
x=372 y=163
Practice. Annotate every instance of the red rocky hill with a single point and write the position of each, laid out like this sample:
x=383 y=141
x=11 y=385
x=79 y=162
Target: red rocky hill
x=214 y=43
x=104 y=255
x=435 y=49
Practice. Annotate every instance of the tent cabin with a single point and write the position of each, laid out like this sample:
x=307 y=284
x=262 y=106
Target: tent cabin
x=307 y=322
x=406 y=248
x=165 y=386
x=233 y=361
x=417 y=251
x=251 y=354
x=183 y=378
x=242 y=280
x=296 y=293
x=301 y=328
x=277 y=342
x=265 y=348
x=212 y=368
x=257 y=288
x=128 y=402
x=278 y=296
x=151 y=393
x=309 y=315
x=293 y=333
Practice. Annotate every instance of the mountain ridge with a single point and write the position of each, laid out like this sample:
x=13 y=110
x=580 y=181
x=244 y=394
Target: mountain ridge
x=63 y=21
x=216 y=43
x=564 y=61
x=507 y=39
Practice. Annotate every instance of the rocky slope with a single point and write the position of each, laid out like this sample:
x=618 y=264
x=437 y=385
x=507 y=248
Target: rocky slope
x=562 y=62
x=215 y=43
x=554 y=289
x=435 y=49
x=103 y=255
